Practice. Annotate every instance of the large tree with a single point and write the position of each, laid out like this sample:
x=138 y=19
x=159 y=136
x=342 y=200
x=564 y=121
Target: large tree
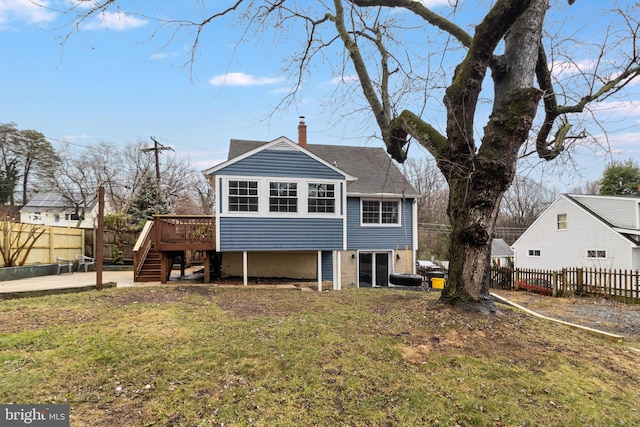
x=9 y=162
x=26 y=157
x=37 y=159
x=505 y=51
x=621 y=178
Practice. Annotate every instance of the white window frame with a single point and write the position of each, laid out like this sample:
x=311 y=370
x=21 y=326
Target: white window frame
x=248 y=196
x=534 y=253
x=283 y=200
x=596 y=254
x=380 y=213
x=263 y=190
x=324 y=199
x=564 y=222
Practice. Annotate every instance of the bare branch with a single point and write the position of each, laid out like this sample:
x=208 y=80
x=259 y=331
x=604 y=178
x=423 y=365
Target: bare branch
x=419 y=9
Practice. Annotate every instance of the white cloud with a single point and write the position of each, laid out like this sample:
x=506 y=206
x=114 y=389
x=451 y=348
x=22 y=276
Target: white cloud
x=25 y=10
x=242 y=79
x=159 y=55
x=75 y=138
x=620 y=108
x=118 y=21
x=344 y=79
x=433 y=3
x=83 y=4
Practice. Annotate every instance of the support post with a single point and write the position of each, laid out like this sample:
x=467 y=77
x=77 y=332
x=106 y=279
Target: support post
x=245 y=270
x=319 y=271
x=164 y=261
x=336 y=270
x=207 y=266
x=99 y=238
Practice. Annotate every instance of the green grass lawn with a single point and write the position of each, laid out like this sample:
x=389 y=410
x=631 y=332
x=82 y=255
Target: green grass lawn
x=206 y=356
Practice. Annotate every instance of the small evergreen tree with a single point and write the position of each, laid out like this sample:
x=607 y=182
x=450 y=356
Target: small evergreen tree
x=143 y=204
x=621 y=179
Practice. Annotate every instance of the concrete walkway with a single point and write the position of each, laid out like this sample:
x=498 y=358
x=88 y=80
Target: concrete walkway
x=81 y=281
x=67 y=282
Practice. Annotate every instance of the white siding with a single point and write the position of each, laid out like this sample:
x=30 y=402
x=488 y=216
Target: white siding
x=568 y=248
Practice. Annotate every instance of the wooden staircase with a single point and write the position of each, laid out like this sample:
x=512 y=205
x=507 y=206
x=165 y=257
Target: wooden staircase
x=151 y=270
x=166 y=238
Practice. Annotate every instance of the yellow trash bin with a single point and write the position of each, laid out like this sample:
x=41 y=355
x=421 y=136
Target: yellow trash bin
x=437 y=283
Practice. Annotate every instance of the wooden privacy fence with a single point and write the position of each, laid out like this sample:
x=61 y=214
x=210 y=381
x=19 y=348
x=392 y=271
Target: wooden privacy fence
x=55 y=241
x=622 y=285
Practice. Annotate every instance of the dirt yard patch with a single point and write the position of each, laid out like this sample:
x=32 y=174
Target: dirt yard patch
x=593 y=312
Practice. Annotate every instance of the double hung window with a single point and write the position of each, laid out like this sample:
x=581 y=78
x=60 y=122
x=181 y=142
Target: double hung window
x=243 y=196
x=562 y=221
x=321 y=198
x=380 y=212
x=283 y=197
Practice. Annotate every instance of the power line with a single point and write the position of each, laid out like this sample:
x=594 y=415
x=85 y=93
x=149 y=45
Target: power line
x=157 y=147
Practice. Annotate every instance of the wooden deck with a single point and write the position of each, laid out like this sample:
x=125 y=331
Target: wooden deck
x=166 y=238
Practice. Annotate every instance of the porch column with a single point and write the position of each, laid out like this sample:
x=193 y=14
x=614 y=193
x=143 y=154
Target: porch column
x=245 y=269
x=319 y=271
x=337 y=271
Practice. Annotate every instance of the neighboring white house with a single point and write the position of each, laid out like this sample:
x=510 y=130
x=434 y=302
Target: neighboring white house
x=583 y=231
x=501 y=253
x=53 y=209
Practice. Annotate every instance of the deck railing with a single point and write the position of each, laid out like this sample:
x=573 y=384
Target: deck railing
x=185 y=232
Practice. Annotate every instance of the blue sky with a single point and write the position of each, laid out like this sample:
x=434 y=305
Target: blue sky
x=112 y=81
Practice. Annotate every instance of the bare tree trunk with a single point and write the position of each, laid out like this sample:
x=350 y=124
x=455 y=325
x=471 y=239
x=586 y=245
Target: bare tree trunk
x=478 y=184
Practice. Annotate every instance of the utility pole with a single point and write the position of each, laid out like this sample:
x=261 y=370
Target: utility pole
x=157 y=147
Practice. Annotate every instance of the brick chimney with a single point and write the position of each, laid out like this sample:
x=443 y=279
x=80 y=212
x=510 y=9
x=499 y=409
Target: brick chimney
x=302 y=133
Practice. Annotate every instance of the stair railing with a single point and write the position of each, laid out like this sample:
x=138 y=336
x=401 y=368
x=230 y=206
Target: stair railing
x=142 y=247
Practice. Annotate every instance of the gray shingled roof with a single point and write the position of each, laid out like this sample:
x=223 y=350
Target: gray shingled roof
x=500 y=249
x=376 y=172
x=617 y=211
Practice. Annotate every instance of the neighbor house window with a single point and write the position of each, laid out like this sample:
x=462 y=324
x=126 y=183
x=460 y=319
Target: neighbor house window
x=243 y=196
x=73 y=217
x=377 y=212
x=37 y=216
x=56 y=217
x=562 y=221
x=321 y=198
x=534 y=252
x=283 y=197
x=596 y=253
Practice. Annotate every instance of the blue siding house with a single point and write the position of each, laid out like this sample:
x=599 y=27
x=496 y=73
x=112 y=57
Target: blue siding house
x=338 y=214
